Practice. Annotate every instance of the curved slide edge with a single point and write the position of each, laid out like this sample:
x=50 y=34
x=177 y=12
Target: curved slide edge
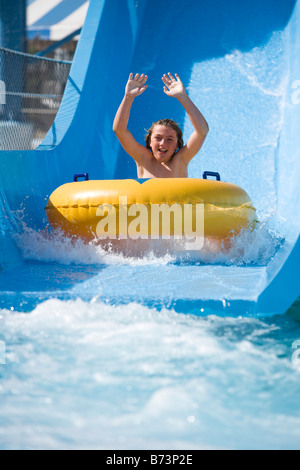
x=284 y=287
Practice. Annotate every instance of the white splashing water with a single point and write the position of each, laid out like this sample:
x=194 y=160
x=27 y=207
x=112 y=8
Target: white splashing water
x=255 y=247
x=84 y=375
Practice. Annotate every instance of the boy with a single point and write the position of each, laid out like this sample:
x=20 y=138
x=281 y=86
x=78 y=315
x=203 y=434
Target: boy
x=165 y=155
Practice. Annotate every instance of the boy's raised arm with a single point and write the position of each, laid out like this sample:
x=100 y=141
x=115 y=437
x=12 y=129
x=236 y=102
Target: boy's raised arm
x=175 y=88
x=134 y=87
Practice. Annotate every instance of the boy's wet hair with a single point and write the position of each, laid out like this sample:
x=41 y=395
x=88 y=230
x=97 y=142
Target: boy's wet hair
x=168 y=123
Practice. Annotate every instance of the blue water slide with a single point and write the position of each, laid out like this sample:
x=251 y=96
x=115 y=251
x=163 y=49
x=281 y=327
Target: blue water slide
x=240 y=62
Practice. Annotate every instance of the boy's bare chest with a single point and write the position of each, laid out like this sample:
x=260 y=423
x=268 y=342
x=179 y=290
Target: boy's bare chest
x=173 y=169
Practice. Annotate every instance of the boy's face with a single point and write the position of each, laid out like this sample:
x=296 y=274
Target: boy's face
x=163 y=142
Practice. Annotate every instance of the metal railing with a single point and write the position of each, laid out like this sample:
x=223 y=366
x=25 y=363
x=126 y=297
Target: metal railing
x=31 y=89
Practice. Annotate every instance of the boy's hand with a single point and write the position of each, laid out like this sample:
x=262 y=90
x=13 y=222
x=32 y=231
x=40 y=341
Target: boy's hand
x=136 y=86
x=173 y=86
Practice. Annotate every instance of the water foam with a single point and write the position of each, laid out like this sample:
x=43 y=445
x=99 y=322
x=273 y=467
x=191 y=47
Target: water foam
x=92 y=375
x=250 y=247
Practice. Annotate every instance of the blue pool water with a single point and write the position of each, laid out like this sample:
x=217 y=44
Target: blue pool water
x=82 y=369
x=92 y=375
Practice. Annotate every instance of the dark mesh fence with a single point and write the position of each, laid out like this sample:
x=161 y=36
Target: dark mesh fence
x=31 y=89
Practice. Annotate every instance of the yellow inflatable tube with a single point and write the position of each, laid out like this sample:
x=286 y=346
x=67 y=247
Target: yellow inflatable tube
x=160 y=207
